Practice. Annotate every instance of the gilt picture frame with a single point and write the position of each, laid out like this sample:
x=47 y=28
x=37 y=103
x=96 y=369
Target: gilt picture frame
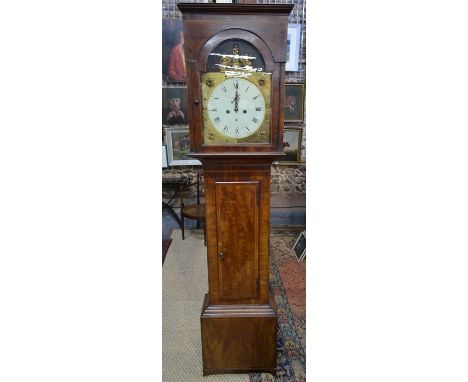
x=292 y=140
x=294 y=96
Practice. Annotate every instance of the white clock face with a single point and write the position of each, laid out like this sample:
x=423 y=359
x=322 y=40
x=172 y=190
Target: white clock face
x=236 y=108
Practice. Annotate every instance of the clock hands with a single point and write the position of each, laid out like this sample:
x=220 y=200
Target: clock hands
x=229 y=115
x=236 y=101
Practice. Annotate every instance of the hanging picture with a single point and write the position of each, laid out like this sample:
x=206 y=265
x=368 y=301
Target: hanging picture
x=293 y=49
x=294 y=102
x=178 y=147
x=173 y=57
x=174 y=106
x=291 y=146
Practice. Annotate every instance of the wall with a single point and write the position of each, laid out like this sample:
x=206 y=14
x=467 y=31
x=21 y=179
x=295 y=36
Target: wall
x=288 y=194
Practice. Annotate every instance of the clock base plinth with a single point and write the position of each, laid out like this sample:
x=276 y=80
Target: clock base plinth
x=239 y=338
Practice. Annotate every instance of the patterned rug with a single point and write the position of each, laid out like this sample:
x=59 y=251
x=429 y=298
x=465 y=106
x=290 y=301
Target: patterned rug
x=287 y=283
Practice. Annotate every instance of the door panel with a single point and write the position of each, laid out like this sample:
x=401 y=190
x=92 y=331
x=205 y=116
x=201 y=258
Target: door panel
x=237 y=233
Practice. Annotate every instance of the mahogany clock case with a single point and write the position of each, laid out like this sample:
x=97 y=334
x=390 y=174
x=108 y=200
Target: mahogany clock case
x=238 y=319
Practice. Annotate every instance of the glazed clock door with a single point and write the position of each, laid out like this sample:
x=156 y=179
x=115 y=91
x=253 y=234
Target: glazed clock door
x=237 y=234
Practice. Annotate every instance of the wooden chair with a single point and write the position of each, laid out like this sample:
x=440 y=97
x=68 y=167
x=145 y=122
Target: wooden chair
x=193 y=211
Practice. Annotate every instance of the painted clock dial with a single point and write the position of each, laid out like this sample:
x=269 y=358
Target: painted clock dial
x=236 y=108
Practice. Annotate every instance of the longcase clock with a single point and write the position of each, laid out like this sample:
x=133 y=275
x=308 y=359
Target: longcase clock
x=235 y=58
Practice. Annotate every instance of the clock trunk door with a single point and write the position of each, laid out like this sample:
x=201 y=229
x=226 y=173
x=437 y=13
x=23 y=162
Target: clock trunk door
x=237 y=233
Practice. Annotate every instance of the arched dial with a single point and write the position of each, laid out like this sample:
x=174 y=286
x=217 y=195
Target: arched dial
x=236 y=108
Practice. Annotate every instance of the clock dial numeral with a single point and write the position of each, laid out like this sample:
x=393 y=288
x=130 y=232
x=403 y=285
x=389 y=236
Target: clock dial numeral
x=247 y=128
x=247 y=89
x=236 y=85
x=217 y=119
x=225 y=129
x=215 y=109
x=254 y=120
x=237 y=132
x=224 y=89
x=258 y=109
x=255 y=97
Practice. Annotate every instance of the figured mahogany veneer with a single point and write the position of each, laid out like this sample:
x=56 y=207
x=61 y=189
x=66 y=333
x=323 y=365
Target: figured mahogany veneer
x=239 y=338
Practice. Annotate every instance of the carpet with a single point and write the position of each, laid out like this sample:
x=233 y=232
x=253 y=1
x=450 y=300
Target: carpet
x=184 y=286
x=287 y=283
x=165 y=248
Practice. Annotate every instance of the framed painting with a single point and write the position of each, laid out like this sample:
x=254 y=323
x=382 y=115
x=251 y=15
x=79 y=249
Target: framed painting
x=173 y=56
x=174 y=106
x=178 y=147
x=291 y=146
x=293 y=48
x=294 y=95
